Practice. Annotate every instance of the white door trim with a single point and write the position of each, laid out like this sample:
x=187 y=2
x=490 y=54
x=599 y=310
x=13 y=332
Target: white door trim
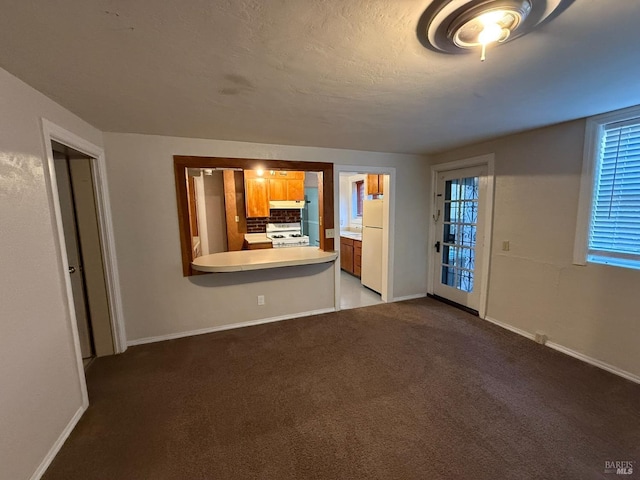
x=489 y=161
x=51 y=132
x=388 y=223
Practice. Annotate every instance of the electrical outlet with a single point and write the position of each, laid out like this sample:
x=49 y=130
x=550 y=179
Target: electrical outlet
x=505 y=246
x=541 y=338
x=237 y=219
x=260 y=299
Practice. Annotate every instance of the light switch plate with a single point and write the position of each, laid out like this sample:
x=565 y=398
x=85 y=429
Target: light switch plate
x=329 y=233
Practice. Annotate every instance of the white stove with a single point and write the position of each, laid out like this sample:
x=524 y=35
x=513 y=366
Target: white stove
x=286 y=235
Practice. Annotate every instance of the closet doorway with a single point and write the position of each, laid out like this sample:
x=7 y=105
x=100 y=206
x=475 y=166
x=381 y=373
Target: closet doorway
x=86 y=271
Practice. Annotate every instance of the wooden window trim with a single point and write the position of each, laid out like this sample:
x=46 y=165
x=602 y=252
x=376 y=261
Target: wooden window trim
x=359 y=197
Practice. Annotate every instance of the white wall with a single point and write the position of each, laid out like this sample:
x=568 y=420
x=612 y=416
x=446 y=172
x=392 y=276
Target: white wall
x=591 y=309
x=311 y=180
x=40 y=390
x=354 y=222
x=159 y=301
x=211 y=212
x=344 y=197
x=216 y=214
x=347 y=198
x=201 y=214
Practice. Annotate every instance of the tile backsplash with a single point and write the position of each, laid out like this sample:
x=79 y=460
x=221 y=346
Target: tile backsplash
x=259 y=224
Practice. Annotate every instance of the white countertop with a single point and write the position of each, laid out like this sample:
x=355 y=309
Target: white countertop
x=244 y=260
x=352 y=235
x=256 y=238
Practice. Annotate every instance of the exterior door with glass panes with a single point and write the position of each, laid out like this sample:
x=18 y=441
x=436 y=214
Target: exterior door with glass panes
x=460 y=198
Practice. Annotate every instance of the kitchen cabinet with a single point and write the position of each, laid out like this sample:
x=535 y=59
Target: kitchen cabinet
x=256 y=197
x=273 y=185
x=256 y=241
x=357 y=257
x=285 y=185
x=295 y=188
x=375 y=184
x=351 y=256
x=277 y=189
x=346 y=254
x=256 y=246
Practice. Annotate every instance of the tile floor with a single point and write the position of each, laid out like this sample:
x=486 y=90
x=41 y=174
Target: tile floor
x=354 y=295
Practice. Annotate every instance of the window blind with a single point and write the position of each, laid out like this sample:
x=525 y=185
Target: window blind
x=615 y=219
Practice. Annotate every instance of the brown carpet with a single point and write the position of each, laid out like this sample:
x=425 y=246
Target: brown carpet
x=411 y=390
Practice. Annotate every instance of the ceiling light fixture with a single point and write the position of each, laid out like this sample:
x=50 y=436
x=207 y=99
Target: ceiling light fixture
x=487 y=24
x=460 y=26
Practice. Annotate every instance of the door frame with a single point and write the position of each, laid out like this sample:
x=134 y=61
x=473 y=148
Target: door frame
x=388 y=223
x=487 y=160
x=51 y=131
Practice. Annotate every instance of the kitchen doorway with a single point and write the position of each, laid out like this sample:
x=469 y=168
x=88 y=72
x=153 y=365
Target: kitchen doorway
x=364 y=225
x=461 y=233
x=311 y=212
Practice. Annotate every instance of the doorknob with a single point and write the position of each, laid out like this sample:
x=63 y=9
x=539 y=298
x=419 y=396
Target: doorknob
x=72 y=269
x=437 y=245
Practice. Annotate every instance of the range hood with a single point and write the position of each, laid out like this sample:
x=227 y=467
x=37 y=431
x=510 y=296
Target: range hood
x=287 y=204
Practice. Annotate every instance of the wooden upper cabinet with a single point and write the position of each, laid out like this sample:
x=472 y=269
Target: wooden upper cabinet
x=375 y=184
x=295 y=189
x=286 y=185
x=278 y=188
x=271 y=185
x=256 y=197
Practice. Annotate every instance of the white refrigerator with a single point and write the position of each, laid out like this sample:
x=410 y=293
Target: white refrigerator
x=372 y=232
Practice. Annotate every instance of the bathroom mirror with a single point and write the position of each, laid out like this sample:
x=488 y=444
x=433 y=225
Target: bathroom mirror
x=221 y=200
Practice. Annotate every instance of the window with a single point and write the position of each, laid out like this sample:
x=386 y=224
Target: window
x=358 y=198
x=611 y=191
x=460 y=223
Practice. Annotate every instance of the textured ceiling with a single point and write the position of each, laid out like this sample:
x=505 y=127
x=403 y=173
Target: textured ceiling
x=332 y=73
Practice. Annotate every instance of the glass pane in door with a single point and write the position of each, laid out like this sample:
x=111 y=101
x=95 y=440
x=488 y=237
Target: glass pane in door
x=460 y=225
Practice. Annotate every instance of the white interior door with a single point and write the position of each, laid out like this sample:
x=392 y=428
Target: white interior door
x=73 y=252
x=93 y=271
x=457 y=254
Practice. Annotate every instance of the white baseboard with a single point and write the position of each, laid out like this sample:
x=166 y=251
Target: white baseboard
x=511 y=328
x=409 y=297
x=58 y=444
x=595 y=362
x=568 y=351
x=230 y=326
